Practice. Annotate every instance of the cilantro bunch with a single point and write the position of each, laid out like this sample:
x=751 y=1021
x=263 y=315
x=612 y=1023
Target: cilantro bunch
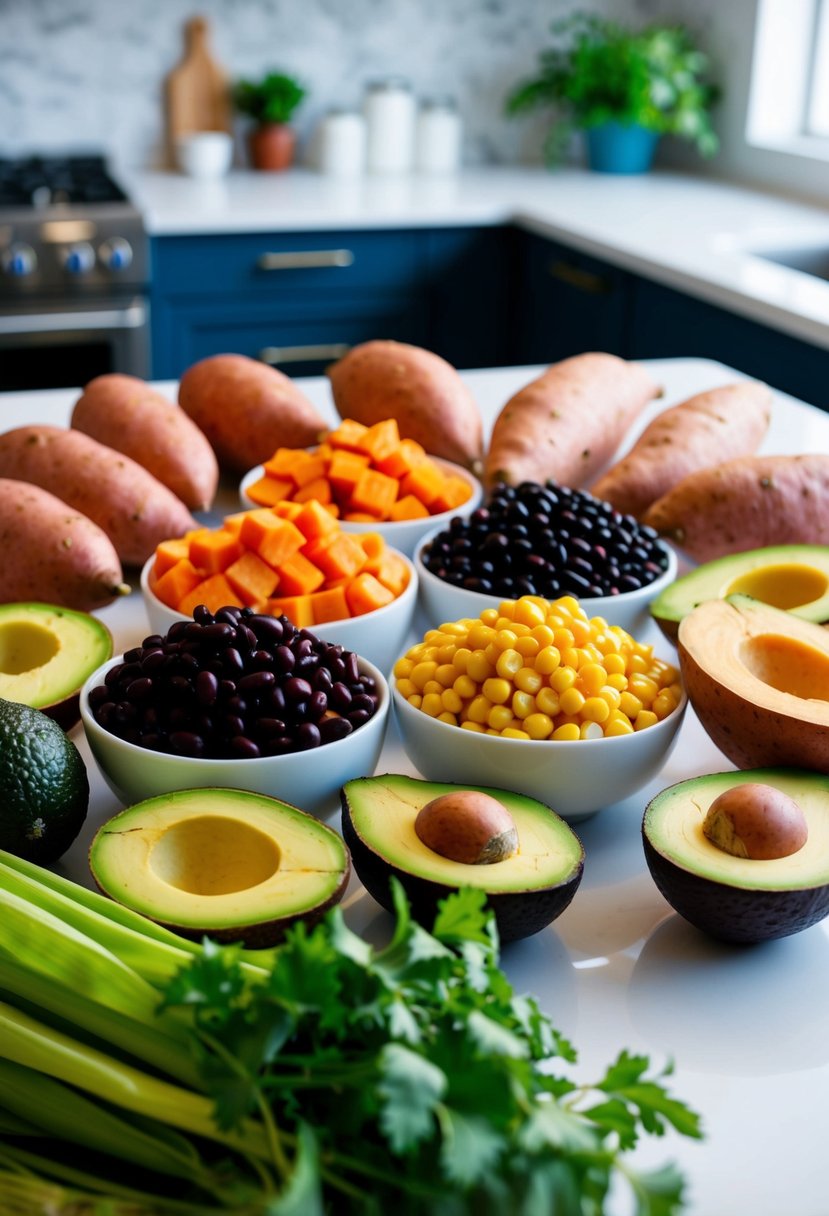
x=412 y=1079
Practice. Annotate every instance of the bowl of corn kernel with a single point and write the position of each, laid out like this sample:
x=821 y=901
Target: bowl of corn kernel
x=537 y=697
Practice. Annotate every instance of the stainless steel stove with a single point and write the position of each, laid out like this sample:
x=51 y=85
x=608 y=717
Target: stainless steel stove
x=74 y=271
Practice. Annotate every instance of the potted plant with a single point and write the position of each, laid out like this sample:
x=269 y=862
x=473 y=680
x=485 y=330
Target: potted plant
x=271 y=103
x=624 y=88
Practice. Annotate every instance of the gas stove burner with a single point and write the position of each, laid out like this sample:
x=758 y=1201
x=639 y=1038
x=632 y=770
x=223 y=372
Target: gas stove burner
x=47 y=181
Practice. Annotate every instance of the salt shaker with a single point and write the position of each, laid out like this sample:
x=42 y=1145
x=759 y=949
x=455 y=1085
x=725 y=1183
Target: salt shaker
x=390 y=126
x=438 y=136
x=342 y=146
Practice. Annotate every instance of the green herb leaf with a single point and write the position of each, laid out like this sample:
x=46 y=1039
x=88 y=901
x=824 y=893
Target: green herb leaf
x=410 y=1089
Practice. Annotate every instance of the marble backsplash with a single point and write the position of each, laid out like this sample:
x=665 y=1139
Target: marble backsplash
x=90 y=73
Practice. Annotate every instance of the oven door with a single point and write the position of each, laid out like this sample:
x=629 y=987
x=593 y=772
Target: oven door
x=66 y=344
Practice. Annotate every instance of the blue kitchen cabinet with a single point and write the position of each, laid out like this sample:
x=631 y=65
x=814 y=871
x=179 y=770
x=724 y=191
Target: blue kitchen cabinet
x=299 y=300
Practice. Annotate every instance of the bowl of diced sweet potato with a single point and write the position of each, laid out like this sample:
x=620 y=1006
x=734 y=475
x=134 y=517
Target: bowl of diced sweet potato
x=291 y=560
x=370 y=480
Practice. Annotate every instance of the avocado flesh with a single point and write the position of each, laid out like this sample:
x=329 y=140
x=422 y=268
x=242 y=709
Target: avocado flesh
x=526 y=890
x=734 y=898
x=794 y=578
x=216 y=861
x=47 y=653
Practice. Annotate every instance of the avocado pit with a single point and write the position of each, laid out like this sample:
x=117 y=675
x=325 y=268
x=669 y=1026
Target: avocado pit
x=756 y=821
x=468 y=826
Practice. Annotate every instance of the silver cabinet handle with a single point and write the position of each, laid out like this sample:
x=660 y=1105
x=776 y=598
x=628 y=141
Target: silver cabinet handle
x=582 y=280
x=305 y=259
x=132 y=317
x=302 y=354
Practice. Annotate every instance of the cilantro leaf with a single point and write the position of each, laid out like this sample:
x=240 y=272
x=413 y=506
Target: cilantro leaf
x=463 y=917
x=470 y=1148
x=494 y=1040
x=410 y=1088
x=659 y=1192
x=303 y=1194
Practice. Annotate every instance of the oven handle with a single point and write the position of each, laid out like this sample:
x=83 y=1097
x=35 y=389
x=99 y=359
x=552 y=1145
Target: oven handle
x=131 y=317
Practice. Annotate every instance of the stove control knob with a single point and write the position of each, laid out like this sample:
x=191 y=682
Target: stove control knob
x=19 y=260
x=116 y=253
x=79 y=258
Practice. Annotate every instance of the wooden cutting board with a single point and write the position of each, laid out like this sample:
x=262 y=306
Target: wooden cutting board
x=197 y=89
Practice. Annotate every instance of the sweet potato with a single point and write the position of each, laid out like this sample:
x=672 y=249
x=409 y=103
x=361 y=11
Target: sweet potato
x=424 y=393
x=53 y=554
x=720 y=424
x=134 y=509
x=128 y=415
x=247 y=410
x=567 y=424
x=748 y=503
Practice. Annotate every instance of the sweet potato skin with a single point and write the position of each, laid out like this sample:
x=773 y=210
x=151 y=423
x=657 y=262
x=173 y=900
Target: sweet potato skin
x=53 y=554
x=423 y=392
x=247 y=410
x=723 y=423
x=747 y=503
x=126 y=414
x=134 y=509
x=567 y=424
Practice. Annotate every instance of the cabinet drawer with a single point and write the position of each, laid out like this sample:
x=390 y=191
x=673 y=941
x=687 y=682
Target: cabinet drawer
x=285 y=263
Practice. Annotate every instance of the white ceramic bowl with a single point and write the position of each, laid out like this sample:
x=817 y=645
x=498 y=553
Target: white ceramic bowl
x=378 y=636
x=443 y=601
x=205 y=154
x=405 y=534
x=309 y=780
x=576 y=779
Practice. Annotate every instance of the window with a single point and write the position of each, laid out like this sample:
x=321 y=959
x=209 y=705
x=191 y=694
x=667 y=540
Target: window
x=789 y=99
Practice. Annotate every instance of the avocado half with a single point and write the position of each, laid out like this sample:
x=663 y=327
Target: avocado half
x=46 y=655
x=791 y=577
x=222 y=863
x=758 y=679
x=526 y=891
x=734 y=898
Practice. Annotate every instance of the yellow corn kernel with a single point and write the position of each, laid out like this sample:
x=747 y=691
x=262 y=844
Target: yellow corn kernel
x=478 y=709
x=614 y=664
x=643 y=688
x=505 y=610
x=676 y=691
x=414 y=700
x=529 y=612
x=445 y=674
x=564 y=639
x=450 y=719
x=538 y=726
x=617 y=725
x=505 y=639
x=460 y=658
x=569 y=732
x=599 y=626
x=644 y=719
x=547 y=701
x=595 y=709
x=581 y=632
x=630 y=705
x=403 y=668
x=431 y=704
x=406 y=688
x=637 y=665
x=523 y=704
x=480 y=636
x=446 y=652
x=489 y=616
x=569 y=604
x=528 y=680
x=590 y=730
x=592 y=678
x=547 y=660
x=479 y=667
x=473 y=726
x=422 y=672
x=451 y=702
x=492 y=653
x=663 y=705
x=611 y=695
x=432 y=686
x=570 y=657
x=499 y=717
x=562 y=678
x=465 y=687
x=589 y=654
x=456 y=629
x=544 y=635
x=508 y=663
x=526 y=645
x=497 y=690
x=511 y=732
x=572 y=701
x=618 y=681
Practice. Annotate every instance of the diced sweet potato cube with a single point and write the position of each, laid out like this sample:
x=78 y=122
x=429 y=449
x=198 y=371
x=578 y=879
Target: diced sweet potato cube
x=275 y=539
x=213 y=549
x=314 y=520
x=252 y=579
x=344 y=471
x=319 y=488
x=268 y=491
x=168 y=552
x=374 y=493
x=391 y=571
x=372 y=543
x=381 y=439
x=233 y=523
x=214 y=592
x=425 y=482
x=329 y=605
x=297 y=608
x=177 y=582
x=348 y=434
x=408 y=507
x=340 y=556
x=364 y=593
x=283 y=462
x=360 y=517
x=310 y=468
x=453 y=493
x=288 y=509
x=299 y=576
x=401 y=460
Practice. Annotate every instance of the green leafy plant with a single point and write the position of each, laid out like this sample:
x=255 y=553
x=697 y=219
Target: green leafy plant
x=273 y=99
x=598 y=71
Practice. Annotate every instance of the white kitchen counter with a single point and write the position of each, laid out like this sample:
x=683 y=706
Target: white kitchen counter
x=747 y=1027
x=691 y=233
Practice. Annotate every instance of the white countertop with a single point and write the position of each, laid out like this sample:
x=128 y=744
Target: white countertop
x=691 y=233
x=747 y=1027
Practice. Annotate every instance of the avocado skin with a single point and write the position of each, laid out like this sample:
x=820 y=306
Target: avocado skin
x=734 y=914
x=517 y=915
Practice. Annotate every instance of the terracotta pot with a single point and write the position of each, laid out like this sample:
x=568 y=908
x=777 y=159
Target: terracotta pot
x=272 y=146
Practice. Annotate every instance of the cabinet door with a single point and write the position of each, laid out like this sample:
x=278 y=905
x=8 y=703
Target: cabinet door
x=568 y=303
x=667 y=324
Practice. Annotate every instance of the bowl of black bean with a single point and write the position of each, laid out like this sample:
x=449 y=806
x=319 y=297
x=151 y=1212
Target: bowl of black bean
x=238 y=700
x=546 y=540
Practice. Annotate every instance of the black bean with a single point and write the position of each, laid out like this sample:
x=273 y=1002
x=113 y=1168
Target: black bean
x=207 y=688
x=186 y=743
x=332 y=729
x=244 y=748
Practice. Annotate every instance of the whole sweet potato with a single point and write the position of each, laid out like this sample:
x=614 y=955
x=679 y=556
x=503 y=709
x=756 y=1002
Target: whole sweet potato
x=53 y=554
x=127 y=414
x=567 y=424
x=424 y=393
x=720 y=424
x=748 y=503
x=134 y=509
x=247 y=410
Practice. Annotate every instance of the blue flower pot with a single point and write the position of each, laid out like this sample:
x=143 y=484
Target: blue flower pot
x=617 y=148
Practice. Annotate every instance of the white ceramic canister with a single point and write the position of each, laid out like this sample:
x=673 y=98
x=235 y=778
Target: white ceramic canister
x=390 y=114
x=438 y=136
x=342 y=143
